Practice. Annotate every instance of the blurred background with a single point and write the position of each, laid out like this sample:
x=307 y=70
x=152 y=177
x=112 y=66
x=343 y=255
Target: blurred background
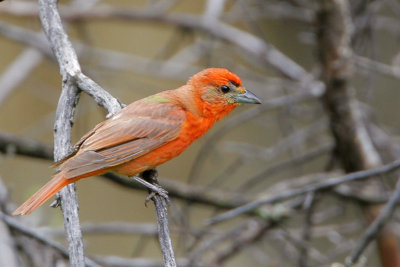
x=290 y=53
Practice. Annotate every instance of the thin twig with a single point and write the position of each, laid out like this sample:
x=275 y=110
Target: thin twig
x=254 y=232
x=8 y=246
x=142 y=262
x=248 y=42
x=306 y=232
x=146 y=229
x=238 y=120
x=256 y=180
x=213 y=242
x=18 y=71
x=105 y=58
x=18 y=226
x=375 y=228
x=356 y=176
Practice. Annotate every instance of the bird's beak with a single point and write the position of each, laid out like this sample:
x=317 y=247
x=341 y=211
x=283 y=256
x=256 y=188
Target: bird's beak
x=247 y=97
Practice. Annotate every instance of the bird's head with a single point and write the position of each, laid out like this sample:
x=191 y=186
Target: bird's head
x=218 y=91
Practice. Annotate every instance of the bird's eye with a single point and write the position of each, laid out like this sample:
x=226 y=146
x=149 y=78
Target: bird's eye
x=225 y=89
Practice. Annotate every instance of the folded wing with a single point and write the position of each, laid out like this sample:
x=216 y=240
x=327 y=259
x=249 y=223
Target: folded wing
x=138 y=129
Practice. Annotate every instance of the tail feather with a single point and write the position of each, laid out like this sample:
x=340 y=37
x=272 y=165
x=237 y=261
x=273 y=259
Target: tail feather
x=46 y=192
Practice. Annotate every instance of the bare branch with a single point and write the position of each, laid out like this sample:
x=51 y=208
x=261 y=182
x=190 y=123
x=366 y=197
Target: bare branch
x=253 y=233
x=355 y=176
x=250 y=43
x=124 y=262
x=67 y=59
x=376 y=227
x=373 y=65
x=354 y=146
x=8 y=248
x=160 y=202
x=11 y=144
x=18 y=71
x=253 y=113
x=148 y=229
x=70 y=70
x=16 y=225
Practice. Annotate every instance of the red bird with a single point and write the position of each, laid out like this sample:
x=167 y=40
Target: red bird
x=149 y=131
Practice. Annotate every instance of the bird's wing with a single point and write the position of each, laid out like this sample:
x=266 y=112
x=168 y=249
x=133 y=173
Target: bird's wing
x=139 y=128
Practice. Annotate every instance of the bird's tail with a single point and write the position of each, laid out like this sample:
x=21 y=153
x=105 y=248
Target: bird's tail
x=44 y=193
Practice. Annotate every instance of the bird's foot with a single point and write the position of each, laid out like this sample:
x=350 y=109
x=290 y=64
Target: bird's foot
x=153 y=186
x=160 y=191
x=149 y=197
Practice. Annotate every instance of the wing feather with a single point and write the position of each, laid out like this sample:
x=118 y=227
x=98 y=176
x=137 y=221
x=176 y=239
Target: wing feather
x=138 y=129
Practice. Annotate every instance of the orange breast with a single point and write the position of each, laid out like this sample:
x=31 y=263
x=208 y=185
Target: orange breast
x=193 y=128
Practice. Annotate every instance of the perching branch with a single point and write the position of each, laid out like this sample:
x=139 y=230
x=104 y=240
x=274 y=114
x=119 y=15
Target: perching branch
x=160 y=202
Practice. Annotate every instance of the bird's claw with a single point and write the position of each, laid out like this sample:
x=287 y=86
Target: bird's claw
x=153 y=188
x=148 y=198
x=56 y=203
x=157 y=190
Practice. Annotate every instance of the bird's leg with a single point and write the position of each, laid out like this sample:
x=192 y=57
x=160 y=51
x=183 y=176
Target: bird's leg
x=149 y=179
